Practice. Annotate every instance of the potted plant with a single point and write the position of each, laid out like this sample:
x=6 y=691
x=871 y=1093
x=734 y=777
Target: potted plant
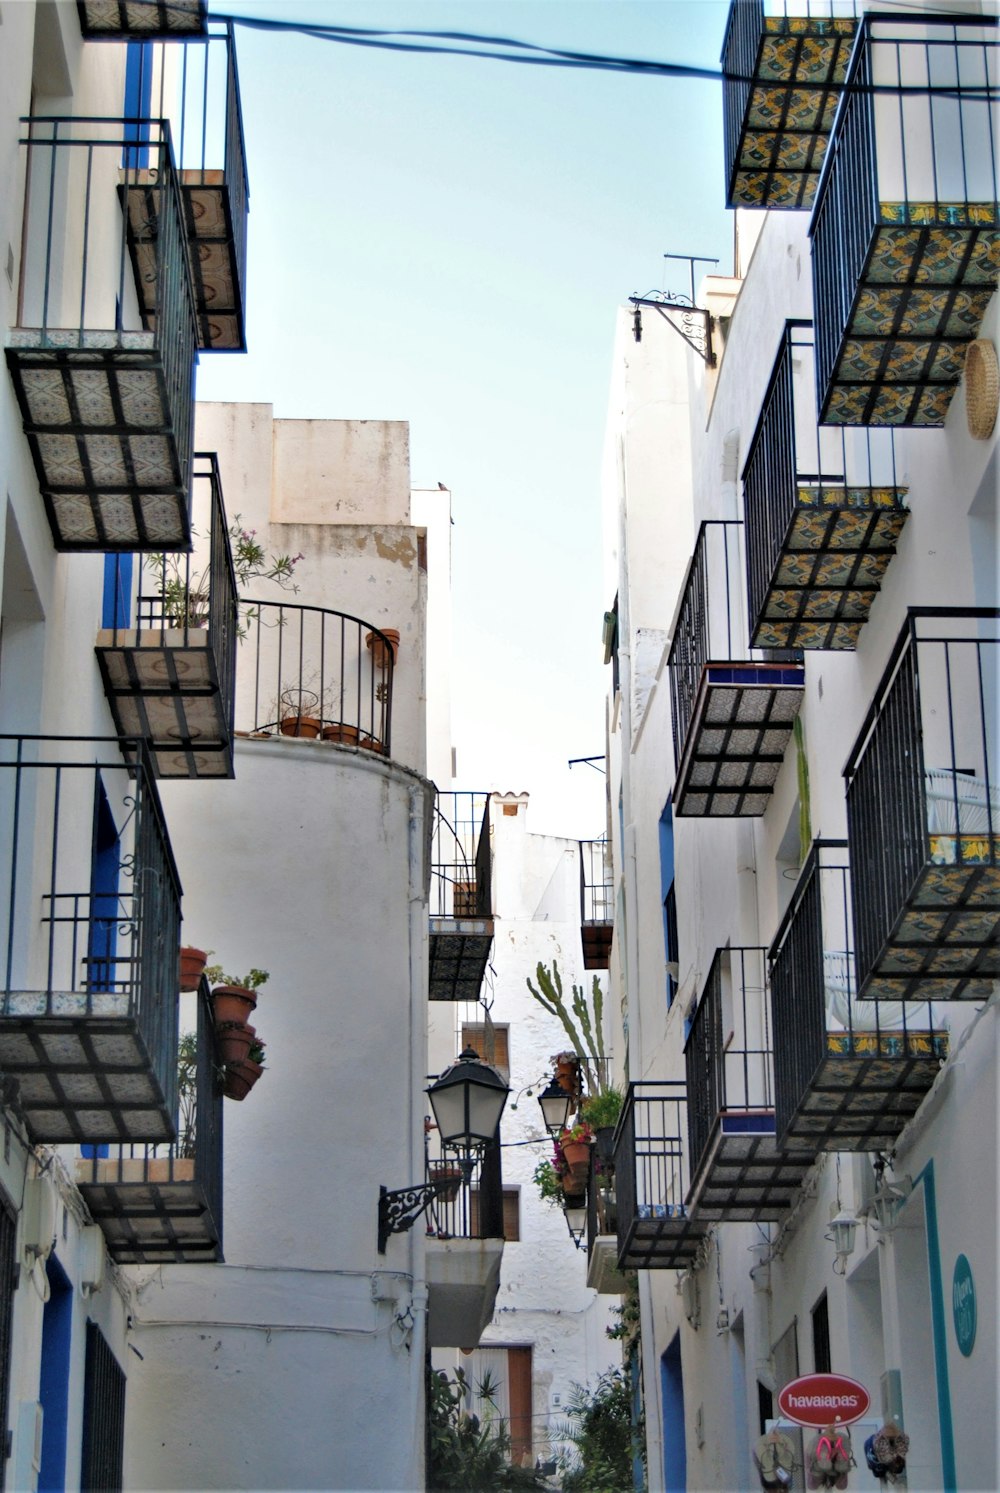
x=233 y=1040
x=549 y=1182
x=241 y=1076
x=193 y=963
x=575 y=1142
x=601 y=1112
x=447 y=1176
x=383 y=644
x=295 y=718
x=184 y=595
x=234 y=996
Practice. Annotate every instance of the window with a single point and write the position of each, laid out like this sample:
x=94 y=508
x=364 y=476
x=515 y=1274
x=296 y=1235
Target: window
x=511 y=1213
x=506 y=1373
x=669 y=899
x=490 y=1043
x=821 y=1336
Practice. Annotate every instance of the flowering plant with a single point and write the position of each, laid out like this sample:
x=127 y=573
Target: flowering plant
x=184 y=595
x=579 y=1131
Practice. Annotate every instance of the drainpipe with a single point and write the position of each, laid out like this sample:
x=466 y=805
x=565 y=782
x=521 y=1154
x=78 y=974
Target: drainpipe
x=413 y=1325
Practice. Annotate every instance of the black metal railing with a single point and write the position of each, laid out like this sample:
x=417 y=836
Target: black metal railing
x=466 y=1207
x=89 y=888
x=650 y=1155
x=180 y=594
x=728 y=1053
x=789 y=452
x=744 y=31
x=85 y=266
x=206 y=121
x=912 y=142
x=312 y=672
x=923 y=778
x=198 y=1147
x=602 y=1200
x=461 y=857
x=596 y=887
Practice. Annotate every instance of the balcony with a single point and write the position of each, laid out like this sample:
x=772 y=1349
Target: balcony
x=823 y=511
x=141 y=20
x=171 y=678
x=603 y=1275
x=739 y=1171
x=107 y=404
x=465 y=1239
x=206 y=125
x=923 y=814
x=461 y=905
x=783 y=66
x=732 y=711
x=161 y=1205
x=596 y=903
x=849 y=1073
x=656 y=1230
x=906 y=228
x=314 y=674
x=88 y=1006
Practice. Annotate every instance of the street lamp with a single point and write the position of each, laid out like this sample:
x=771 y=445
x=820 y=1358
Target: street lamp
x=467 y=1101
x=843 y=1229
x=555 y=1105
x=576 y=1217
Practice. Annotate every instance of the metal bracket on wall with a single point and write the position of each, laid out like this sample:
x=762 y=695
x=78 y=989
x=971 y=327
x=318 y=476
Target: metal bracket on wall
x=398 y=1211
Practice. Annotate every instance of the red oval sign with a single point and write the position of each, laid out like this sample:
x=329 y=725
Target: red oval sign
x=824 y=1400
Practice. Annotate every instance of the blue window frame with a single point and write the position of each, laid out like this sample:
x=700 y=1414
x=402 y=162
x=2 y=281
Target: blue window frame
x=105 y=871
x=668 y=898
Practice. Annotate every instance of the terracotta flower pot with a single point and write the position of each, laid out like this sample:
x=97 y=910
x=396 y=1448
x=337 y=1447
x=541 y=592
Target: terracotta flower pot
x=577 y=1156
x=380 y=653
x=233 y=1041
x=240 y=1078
x=193 y=962
x=573 y=1186
x=340 y=731
x=450 y=1179
x=232 y=1003
x=300 y=725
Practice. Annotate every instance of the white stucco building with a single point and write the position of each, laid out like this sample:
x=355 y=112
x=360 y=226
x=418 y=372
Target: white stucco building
x=803 y=759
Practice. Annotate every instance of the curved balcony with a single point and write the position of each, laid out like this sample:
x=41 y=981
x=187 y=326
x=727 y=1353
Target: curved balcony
x=314 y=674
x=461 y=902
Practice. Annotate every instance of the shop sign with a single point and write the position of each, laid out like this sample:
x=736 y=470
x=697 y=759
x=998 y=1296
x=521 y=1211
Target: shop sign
x=824 y=1400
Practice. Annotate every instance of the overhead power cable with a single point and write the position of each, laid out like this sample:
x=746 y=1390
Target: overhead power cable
x=484 y=46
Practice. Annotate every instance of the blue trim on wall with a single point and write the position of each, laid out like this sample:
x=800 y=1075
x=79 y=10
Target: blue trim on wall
x=116 y=603
x=53 y=1388
x=939 y=1327
x=674 y=1441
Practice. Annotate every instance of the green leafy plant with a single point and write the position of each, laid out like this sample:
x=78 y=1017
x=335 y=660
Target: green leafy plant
x=256 y=1053
x=549 y=1183
x=575 y=1133
x=627 y=1324
x=253 y=981
x=582 y=1022
x=464 y=1453
x=184 y=594
x=603 y=1436
x=603 y=1109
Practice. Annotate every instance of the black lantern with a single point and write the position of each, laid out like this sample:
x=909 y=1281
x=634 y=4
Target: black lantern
x=556 y=1105
x=468 y=1100
x=576 y=1216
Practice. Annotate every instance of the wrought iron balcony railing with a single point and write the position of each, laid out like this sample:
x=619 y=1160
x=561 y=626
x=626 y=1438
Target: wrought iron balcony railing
x=141 y=20
x=823 y=509
x=923 y=812
x=656 y=1231
x=907 y=222
x=89 y=942
x=467 y=1207
x=783 y=65
x=170 y=673
x=315 y=674
x=194 y=85
x=106 y=401
x=732 y=710
x=461 y=896
x=738 y=1171
x=848 y=1073
x=163 y=1204
x=596 y=903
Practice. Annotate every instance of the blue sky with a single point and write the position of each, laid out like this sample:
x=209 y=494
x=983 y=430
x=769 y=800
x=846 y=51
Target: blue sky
x=445 y=240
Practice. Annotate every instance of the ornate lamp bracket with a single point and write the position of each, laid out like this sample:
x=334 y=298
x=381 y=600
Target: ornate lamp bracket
x=398 y=1211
